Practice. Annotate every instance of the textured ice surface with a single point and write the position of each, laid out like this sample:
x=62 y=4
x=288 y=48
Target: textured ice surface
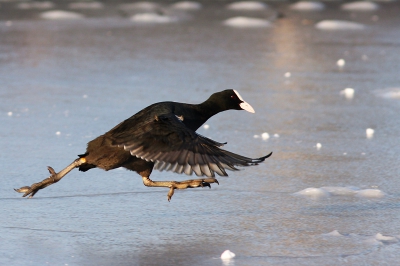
x=246 y=22
x=339 y=25
x=308 y=6
x=83 y=77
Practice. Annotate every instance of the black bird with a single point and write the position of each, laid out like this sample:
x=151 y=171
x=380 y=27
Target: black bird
x=162 y=136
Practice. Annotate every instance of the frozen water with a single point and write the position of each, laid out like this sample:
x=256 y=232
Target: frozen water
x=308 y=6
x=86 y=5
x=187 y=5
x=247 y=22
x=247 y=5
x=339 y=25
x=60 y=14
x=360 y=6
x=82 y=77
x=152 y=18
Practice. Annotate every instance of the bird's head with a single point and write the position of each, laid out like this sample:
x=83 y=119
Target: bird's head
x=231 y=99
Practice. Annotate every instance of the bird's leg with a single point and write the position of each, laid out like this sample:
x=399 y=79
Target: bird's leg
x=53 y=178
x=179 y=185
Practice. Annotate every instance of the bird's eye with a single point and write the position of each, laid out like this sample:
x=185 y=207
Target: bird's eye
x=233 y=96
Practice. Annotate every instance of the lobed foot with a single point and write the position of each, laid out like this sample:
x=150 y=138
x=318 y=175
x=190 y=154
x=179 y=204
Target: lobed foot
x=34 y=188
x=190 y=184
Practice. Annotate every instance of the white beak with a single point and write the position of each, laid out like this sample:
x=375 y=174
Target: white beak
x=244 y=105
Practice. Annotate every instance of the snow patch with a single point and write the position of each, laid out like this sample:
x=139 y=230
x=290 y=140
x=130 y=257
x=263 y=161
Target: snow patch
x=227 y=255
x=86 y=5
x=246 y=22
x=333 y=233
x=60 y=14
x=148 y=6
x=360 y=6
x=389 y=93
x=247 y=5
x=187 y=5
x=370 y=133
x=348 y=93
x=36 y=5
x=338 y=25
x=325 y=192
x=152 y=18
x=307 y=6
x=340 y=63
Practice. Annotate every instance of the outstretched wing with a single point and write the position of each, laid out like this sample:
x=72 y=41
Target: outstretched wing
x=166 y=141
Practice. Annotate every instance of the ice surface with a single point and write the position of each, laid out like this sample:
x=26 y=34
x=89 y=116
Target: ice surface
x=308 y=6
x=247 y=5
x=110 y=218
x=339 y=25
x=36 y=5
x=152 y=18
x=348 y=93
x=360 y=6
x=246 y=22
x=86 y=5
x=60 y=15
x=187 y=5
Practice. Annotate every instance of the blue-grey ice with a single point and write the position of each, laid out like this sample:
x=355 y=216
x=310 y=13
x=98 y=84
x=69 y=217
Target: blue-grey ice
x=339 y=25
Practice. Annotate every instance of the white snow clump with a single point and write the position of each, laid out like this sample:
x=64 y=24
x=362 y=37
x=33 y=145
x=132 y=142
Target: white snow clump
x=187 y=5
x=389 y=93
x=348 y=93
x=360 y=6
x=324 y=192
x=246 y=22
x=307 y=6
x=60 y=14
x=338 y=25
x=370 y=133
x=227 y=255
x=340 y=63
x=152 y=18
x=247 y=5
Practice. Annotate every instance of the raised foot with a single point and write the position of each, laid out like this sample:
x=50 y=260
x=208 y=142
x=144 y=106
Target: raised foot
x=193 y=183
x=34 y=188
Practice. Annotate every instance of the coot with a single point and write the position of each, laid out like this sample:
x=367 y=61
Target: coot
x=162 y=136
